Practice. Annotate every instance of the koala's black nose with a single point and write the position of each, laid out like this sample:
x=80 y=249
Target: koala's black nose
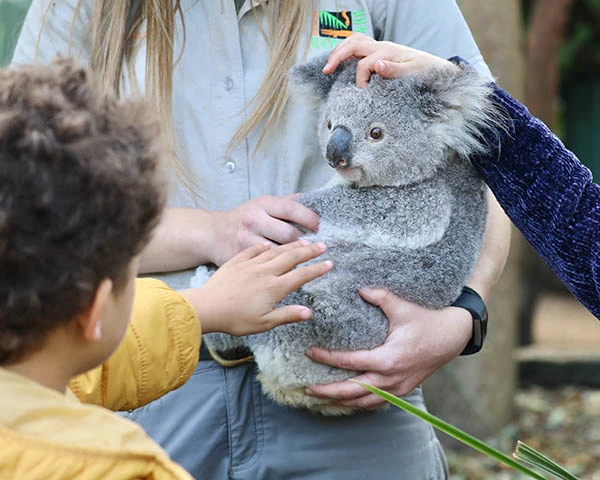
x=339 y=148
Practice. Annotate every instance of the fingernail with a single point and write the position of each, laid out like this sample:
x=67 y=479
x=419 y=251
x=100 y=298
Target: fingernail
x=305 y=313
x=304 y=242
x=309 y=353
x=308 y=391
x=322 y=245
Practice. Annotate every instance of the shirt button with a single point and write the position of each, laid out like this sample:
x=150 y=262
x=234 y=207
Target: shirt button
x=228 y=83
x=231 y=166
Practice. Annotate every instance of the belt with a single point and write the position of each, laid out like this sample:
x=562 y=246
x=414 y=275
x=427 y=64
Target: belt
x=234 y=358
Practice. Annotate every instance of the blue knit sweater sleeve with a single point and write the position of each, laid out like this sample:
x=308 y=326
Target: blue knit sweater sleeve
x=549 y=196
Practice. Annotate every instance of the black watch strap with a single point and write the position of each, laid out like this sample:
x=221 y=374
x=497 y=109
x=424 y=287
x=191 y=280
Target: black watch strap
x=470 y=300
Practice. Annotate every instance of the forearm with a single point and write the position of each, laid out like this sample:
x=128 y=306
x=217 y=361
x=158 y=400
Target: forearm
x=494 y=252
x=182 y=240
x=549 y=196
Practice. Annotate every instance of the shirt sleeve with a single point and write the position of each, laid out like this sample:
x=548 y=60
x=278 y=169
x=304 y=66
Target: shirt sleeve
x=434 y=26
x=52 y=28
x=549 y=195
x=158 y=354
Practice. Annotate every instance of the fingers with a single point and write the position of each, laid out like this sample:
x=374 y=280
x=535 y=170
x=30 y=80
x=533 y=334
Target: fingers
x=389 y=69
x=350 y=393
x=296 y=278
x=358 y=45
x=395 y=308
x=376 y=296
x=338 y=391
x=387 y=59
x=282 y=250
x=287 y=314
x=360 y=360
x=290 y=210
x=280 y=232
x=283 y=260
x=249 y=253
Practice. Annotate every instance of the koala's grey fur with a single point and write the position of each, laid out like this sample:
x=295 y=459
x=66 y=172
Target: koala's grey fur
x=407 y=214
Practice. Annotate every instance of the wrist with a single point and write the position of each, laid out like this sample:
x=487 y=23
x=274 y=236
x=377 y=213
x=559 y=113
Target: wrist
x=472 y=302
x=201 y=302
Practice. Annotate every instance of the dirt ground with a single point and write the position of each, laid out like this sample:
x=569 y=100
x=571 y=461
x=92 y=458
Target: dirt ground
x=562 y=423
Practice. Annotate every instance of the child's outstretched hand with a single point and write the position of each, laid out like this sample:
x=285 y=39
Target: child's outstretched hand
x=239 y=298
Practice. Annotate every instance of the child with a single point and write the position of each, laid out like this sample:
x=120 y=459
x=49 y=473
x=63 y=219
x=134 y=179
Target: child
x=80 y=195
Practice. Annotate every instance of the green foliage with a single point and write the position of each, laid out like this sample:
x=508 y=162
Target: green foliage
x=523 y=452
x=580 y=53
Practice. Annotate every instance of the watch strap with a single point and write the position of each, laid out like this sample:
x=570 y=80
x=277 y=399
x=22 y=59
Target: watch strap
x=471 y=301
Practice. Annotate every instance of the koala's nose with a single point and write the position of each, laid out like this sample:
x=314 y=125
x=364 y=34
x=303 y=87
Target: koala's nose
x=339 y=148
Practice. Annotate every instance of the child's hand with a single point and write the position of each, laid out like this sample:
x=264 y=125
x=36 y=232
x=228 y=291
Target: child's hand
x=387 y=59
x=239 y=298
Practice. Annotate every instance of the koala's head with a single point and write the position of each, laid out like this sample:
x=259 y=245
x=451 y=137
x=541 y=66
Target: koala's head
x=395 y=131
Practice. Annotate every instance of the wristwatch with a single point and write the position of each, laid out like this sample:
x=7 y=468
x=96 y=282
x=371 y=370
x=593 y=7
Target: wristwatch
x=470 y=300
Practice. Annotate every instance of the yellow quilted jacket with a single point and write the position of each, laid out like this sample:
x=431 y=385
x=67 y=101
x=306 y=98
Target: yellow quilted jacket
x=48 y=436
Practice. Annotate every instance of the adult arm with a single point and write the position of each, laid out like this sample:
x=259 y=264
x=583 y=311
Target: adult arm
x=550 y=197
x=188 y=237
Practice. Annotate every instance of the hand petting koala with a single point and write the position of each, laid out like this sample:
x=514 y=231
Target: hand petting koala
x=407 y=213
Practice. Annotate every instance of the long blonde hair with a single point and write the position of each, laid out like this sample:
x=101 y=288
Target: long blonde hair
x=116 y=23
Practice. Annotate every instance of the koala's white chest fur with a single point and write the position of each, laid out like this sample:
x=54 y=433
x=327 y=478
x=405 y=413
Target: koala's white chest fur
x=389 y=217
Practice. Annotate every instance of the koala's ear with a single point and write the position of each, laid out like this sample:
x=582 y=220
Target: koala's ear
x=459 y=106
x=308 y=82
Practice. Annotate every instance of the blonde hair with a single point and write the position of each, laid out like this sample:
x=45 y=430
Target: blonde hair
x=116 y=23
x=286 y=21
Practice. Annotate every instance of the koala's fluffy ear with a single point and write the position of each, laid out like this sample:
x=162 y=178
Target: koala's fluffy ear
x=309 y=83
x=459 y=105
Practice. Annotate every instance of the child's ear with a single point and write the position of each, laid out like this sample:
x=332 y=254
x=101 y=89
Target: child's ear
x=90 y=321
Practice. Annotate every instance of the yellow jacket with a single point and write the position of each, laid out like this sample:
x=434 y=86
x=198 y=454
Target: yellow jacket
x=49 y=436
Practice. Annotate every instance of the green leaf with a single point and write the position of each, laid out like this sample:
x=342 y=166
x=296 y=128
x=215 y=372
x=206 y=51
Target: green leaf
x=453 y=431
x=531 y=456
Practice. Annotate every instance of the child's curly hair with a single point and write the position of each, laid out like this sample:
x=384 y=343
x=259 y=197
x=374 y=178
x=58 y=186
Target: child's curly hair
x=80 y=194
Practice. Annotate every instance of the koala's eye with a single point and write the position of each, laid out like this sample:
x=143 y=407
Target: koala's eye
x=376 y=133
x=328 y=124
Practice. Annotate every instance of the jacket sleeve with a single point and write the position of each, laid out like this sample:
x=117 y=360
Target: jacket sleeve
x=549 y=195
x=158 y=354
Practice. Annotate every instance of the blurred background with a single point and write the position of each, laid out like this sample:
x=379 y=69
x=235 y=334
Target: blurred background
x=538 y=377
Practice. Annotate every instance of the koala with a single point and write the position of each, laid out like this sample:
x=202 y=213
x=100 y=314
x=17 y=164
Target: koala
x=407 y=212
